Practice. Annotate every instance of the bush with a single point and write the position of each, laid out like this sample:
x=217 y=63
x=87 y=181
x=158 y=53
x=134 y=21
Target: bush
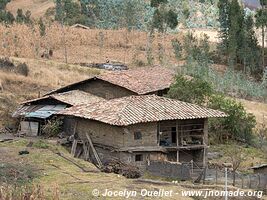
x=238 y=125
x=193 y=90
x=52 y=128
x=6 y=64
x=23 y=69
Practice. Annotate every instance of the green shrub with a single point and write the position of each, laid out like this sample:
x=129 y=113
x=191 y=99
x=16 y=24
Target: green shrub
x=238 y=125
x=193 y=90
x=41 y=144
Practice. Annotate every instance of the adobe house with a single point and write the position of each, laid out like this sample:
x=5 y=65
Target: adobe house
x=109 y=85
x=141 y=129
x=140 y=81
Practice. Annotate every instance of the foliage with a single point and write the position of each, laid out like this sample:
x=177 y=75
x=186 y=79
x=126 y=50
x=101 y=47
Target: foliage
x=5 y=16
x=261 y=132
x=193 y=90
x=231 y=82
x=52 y=128
x=41 y=144
x=69 y=12
x=238 y=39
x=23 y=18
x=163 y=16
x=42 y=27
x=207 y=88
x=23 y=69
x=238 y=125
x=177 y=47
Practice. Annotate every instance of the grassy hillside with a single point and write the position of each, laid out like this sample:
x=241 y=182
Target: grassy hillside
x=57 y=178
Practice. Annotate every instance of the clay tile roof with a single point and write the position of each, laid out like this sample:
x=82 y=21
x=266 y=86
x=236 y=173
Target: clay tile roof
x=140 y=109
x=141 y=80
x=73 y=97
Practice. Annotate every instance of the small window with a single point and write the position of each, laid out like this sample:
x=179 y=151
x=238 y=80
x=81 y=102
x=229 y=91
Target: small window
x=137 y=135
x=138 y=157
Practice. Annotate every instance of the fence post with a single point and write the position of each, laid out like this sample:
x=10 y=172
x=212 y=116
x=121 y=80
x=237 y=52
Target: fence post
x=259 y=184
x=249 y=181
x=226 y=195
x=216 y=177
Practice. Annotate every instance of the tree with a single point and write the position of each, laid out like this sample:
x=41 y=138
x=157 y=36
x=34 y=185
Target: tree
x=193 y=90
x=224 y=7
x=236 y=156
x=236 y=31
x=261 y=22
x=163 y=16
x=250 y=51
x=21 y=18
x=5 y=16
x=42 y=27
x=238 y=125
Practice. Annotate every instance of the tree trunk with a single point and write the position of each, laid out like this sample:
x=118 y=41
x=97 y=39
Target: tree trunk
x=263 y=38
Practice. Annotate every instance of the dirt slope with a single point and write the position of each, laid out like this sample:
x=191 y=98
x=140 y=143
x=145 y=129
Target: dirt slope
x=37 y=7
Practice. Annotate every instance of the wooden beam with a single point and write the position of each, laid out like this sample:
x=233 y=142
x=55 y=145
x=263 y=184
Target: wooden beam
x=100 y=165
x=73 y=148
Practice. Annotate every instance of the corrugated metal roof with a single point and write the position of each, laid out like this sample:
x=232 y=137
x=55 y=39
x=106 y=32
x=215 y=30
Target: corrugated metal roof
x=45 y=112
x=140 y=109
x=23 y=109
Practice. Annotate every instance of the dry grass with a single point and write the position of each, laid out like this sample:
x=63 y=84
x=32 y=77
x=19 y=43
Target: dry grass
x=82 y=45
x=256 y=108
x=37 y=7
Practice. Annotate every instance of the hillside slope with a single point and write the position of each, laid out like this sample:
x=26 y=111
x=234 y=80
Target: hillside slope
x=37 y=7
x=59 y=178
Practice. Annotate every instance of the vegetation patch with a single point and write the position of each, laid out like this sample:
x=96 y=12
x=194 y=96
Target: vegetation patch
x=16 y=174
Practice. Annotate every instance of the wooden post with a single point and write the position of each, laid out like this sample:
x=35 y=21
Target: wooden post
x=259 y=180
x=94 y=151
x=177 y=142
x=73 y=148
x=205 y=142
x=216 y=178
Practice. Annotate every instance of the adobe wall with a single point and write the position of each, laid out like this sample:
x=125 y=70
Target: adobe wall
x=148 y=132
x=100 y=132
x=104 y=89
x=117 y=136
